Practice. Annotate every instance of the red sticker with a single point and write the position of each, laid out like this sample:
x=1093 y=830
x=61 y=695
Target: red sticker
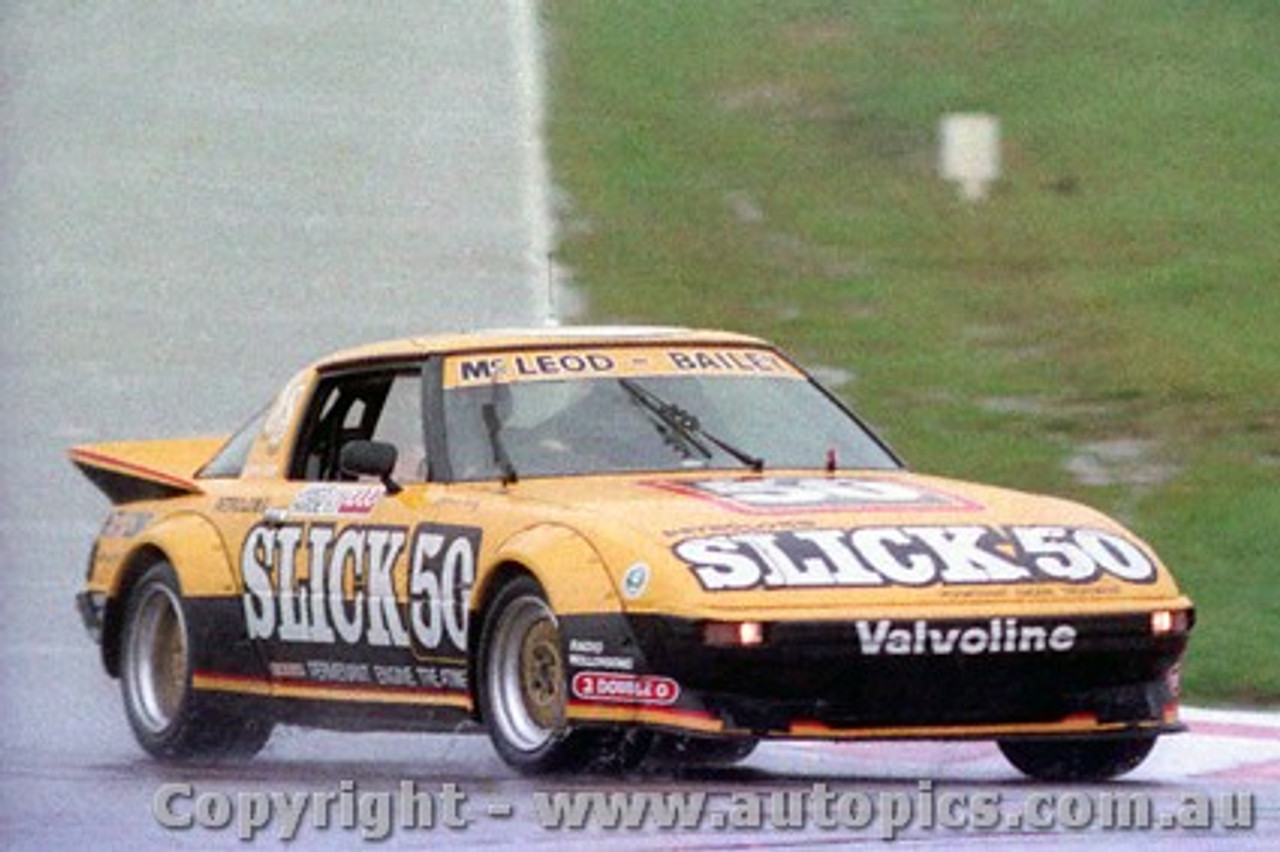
x=617 y=688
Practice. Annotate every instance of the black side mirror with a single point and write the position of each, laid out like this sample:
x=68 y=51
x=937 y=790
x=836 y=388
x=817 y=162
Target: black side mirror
x=371 y=458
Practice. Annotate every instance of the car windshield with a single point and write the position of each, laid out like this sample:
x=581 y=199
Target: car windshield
x=617 y=421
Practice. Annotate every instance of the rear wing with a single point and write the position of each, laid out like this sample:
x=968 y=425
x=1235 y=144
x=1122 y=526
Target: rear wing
x=129 y=471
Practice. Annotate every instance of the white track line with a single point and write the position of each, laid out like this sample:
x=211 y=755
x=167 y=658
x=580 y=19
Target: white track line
x=527 y=50
x=1219 y=742
x=1262 y=722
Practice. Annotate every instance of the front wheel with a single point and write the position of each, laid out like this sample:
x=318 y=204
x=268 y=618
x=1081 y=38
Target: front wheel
x=1077 y=759
x=170 y=720
x=522 y=691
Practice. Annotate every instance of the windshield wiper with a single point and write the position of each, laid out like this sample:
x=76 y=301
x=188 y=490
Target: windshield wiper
x=686 y=425
x=493 y=426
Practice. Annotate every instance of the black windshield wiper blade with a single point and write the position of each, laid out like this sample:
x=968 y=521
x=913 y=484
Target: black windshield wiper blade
x=670 y=426
x=493 y=426
x=686 y=424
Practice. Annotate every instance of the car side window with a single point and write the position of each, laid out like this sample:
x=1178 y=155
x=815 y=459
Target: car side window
x=381 y=406
x=400 y=424
x=230 y=460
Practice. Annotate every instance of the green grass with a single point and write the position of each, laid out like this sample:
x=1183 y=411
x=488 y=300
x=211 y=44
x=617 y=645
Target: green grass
x=770 y=167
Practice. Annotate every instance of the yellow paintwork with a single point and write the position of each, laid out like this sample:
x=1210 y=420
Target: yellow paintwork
x=578 y=536
x=620 y=500
x=171 y=462
x=546 y=549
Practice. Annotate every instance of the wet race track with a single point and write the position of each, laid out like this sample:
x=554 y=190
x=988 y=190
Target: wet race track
x=196 y=201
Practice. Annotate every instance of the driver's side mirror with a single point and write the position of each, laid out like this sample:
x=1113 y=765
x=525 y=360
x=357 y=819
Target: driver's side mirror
x=371 y=458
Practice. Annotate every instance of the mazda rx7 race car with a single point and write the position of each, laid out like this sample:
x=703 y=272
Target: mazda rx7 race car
x=601 y=543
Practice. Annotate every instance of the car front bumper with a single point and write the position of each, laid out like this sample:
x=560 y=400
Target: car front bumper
x=943 y=678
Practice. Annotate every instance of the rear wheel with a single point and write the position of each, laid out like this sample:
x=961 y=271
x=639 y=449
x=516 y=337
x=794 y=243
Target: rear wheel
x=523 y=691
x=1077 y=760
x=170 y=719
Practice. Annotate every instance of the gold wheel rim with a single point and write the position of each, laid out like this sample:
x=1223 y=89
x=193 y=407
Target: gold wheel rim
x=542 y=675
x=157 y=659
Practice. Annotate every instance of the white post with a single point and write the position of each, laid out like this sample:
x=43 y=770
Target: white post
x=970 y=152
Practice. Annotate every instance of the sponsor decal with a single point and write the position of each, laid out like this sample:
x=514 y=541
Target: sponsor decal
x=390 y=676
x=337 y=499
x=312 y=584
x=123 y=524
x=288 y=671
x=441 y=677
x=614 y=688
x=727 y=361
x=559 y=364
x=530 y=366
x=635 y=581
x=545 y=365
x=815 y=494
x=916 y=556
x=997 y=636
x=241 y=505
x=590 y=654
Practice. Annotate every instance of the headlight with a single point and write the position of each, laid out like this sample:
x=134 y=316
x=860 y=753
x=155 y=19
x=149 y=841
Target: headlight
x=731 y=634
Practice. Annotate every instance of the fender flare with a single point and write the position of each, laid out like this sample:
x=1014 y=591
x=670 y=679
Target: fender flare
x=542 y=552
x=198 y=553
x=196 y=550
x=546 y=551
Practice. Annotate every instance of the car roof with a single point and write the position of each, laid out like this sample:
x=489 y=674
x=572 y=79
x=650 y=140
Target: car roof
x=411 y=348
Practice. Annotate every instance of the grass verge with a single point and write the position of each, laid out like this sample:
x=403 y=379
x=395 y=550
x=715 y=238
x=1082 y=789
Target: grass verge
x=1106 y=326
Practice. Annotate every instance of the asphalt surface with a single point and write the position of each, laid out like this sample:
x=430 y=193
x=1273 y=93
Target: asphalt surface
x=197 y=198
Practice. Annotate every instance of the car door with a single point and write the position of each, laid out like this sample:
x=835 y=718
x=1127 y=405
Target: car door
x=349 y=584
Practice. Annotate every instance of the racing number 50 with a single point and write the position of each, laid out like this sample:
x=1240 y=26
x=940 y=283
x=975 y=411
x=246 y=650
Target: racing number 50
x=1076 y=555
x=441 y=574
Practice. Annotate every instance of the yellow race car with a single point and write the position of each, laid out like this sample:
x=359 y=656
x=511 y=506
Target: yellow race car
x=605 y=544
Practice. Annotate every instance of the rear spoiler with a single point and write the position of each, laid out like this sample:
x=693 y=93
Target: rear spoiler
x=128 y=471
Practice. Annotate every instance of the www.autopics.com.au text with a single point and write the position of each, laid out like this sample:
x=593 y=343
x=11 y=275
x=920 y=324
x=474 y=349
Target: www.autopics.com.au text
x=410 y=807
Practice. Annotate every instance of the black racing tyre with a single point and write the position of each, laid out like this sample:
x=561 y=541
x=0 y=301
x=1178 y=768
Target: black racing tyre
x=687 y=750
x=1077 y=759
x=170 y=720
x=522 y=690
